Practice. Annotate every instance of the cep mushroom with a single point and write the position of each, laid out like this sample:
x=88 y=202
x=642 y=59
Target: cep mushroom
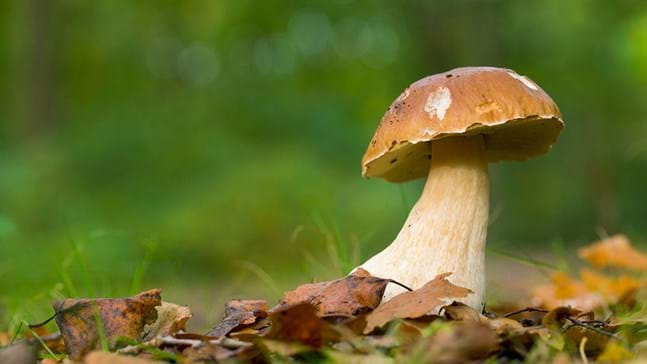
x=449 y=126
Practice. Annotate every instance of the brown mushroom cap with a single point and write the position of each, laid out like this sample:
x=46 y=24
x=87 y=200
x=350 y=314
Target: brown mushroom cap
x=517 y=118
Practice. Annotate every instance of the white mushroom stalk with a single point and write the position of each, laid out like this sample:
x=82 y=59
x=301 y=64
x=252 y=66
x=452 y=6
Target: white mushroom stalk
x=447 y=228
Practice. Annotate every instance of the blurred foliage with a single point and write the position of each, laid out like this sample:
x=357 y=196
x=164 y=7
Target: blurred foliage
x=188 y=139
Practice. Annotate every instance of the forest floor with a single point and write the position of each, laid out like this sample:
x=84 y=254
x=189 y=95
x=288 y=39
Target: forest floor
x=597 y=315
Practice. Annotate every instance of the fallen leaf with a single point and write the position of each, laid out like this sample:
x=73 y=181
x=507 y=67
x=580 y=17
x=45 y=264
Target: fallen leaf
x=505 y=326
x=300 y=323
x=462 y=342
x=101 y=357
x=615 y=251
x=240 y=314
x=285 y=349
x=339 y=357
x=562 y=330
x=21 y=352
x=557 y=317
x=5 y=339
x=418 y=303
x=458 y=311
x=121 y=317
x=614 y=352
x=207 y=352
x=171 y=318
x=612 y=288
x=565 y=291
x=357 y=293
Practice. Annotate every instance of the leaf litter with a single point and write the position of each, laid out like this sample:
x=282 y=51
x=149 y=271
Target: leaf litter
x=600 y=315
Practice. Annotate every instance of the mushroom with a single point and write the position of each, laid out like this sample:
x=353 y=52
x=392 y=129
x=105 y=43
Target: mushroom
x=449 y=126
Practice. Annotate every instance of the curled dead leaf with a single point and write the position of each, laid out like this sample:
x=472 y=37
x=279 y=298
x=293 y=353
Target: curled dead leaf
x=171 y=318
x=458 y=311
x=357 y=293
x=240 y=314
x=428 y=299
x=120 y=317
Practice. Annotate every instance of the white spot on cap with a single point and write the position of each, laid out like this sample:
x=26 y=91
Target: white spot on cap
x=438 y=102
x=403 y=96
x=524 y=80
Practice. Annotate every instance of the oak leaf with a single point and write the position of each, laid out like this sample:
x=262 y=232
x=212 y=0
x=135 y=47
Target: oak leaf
x=357 y=293
x=120 y=317
x=171 y=318
x=425 y=300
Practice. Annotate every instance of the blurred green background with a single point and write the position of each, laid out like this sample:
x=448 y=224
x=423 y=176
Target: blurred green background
x=212 y=148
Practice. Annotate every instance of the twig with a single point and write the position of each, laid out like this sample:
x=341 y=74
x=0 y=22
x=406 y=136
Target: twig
x=589 y=327
x=527 y=309
x=34 y=326
x=400 y=284
x=226 y=342
x=42 y=342
x=56 y=313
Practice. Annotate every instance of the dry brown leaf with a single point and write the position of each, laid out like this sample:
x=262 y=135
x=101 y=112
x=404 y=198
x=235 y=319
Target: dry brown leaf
x=171 y=318
x=557 y=317
x=101 y=357
x=285 y=349
x=463 y=342
x=300 y=323
x=418 y=303
x=207 y=352
x=615 y=251
x=347 y=358
x=21 y=352
x=458 y=311
x=348 y=296
x=121 y=317
x=240 y=314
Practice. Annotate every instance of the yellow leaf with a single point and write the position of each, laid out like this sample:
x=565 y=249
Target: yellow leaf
x=613 y=353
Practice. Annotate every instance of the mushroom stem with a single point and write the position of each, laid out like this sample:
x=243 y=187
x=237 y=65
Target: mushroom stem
x=447 y=228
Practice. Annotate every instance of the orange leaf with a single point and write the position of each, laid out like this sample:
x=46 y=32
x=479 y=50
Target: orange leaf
x=615 y=251
x=77 y=319
x=612 y=288
x=348 y=296
x=565 y=291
